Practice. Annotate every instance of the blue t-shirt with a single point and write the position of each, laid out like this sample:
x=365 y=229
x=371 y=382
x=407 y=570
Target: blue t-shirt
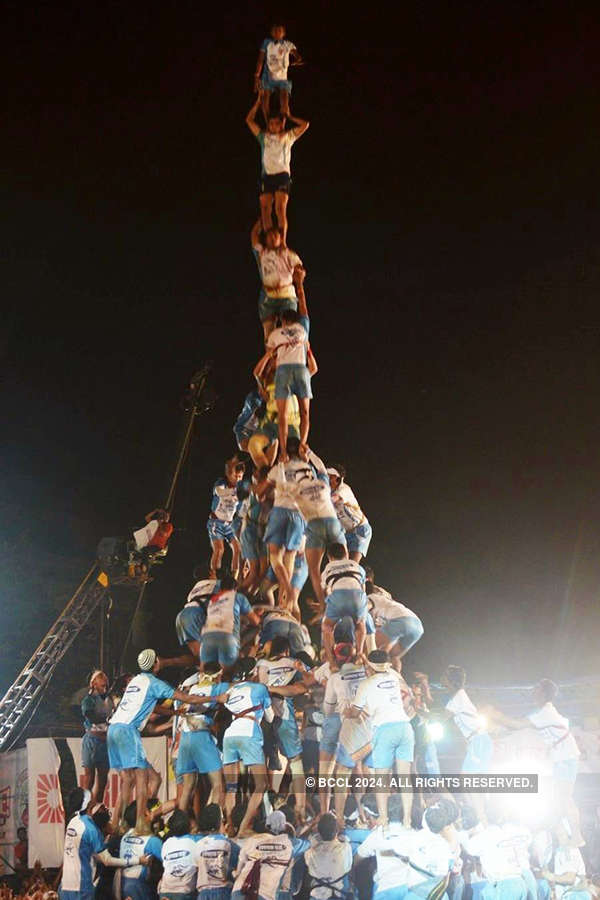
x=141 y=696
x=247 y=421
x=244 y=696
x=82 y=840
x=133 y=845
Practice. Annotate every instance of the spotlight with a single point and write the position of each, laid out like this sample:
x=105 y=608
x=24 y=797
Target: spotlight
x=435 y=731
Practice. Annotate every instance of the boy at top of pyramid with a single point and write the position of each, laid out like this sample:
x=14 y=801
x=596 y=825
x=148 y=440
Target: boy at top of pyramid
x=276 y=156
x=271 y=74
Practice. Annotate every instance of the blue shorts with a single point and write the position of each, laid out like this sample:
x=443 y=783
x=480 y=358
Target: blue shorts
x=219 y=647
x=269 y=84
x=322 y=532
x=292 y=378
x=76 y=895
x=188 y=624
x=565 y=770
x=370 y=624
x=271 y=307
x=283 y=628
x=220 y=893
x=94 y=753
x=346 y=602
x=138 y=889
x=300 y=573
x=330 y=732
x=479 y=754
x=248 y=750
x=392 y=741
x=359 y=538
x=426 y=760
x=125 y=750
x=343 y=757
x=289 y=737
x=197 y=753
x=406 y=631
x=285 y=528
x=506 y=889
x=173 y=895
x=220 y=531
x=253 y=545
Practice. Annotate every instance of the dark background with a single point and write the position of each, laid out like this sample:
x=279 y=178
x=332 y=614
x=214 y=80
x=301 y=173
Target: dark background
x=445 y=204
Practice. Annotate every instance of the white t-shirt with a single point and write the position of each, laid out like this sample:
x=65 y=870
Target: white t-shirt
x=277 y=849
x=568 y=859
x=346 y=505
x=203 y=588
x=144 y=535
x=380 y=696
x=283 y=476
x=244 y=696
x=518 y=838
x=353 y=581
x=277 y=269
x=465 y=714
x=179 y=865
x=328 y=860
x=386 y=610
x=321 y=673
x=342 y=688
x=277 y=58
x=276 y=151
x=426 y=850
x=554 y=731
x=496 y=853
x=212 y=857
x=278 y=673
x=291 y=342
x=303 y=484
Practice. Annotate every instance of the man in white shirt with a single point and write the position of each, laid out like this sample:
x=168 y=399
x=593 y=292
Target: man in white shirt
x=379 y=699
x=500 y=862
x=329 y=862
x=294 y=366
x=343 y=581
x=275 y=851
x=561 y=747
x=276 y=153
x=568 y=869
x=278 y=267
x=397 y=628
x=355 y=523
x=409 y=863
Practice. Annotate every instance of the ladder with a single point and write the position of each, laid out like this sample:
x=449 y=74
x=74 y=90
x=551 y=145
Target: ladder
x=21 y=700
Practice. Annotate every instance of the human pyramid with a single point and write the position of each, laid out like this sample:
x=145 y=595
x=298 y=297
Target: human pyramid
x=262 y=706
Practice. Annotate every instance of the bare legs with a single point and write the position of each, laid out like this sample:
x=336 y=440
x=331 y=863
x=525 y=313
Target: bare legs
x=94 y=780
x=279 y=200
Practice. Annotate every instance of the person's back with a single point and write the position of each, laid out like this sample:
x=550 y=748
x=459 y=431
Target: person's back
x=180 y=869
x=274 y=851
x=223 y=613
x=82 y=841
x=328 y=861
x=380 y=696
x=216 y=857
x=135 y=879
x=139 y=699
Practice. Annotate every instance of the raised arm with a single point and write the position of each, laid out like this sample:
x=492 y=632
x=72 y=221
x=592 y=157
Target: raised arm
x=258 y=372
x=255 y=234
x=301 y=125
x=251 y=118
x=259 y=67
x=299 y=276
x=149 y=516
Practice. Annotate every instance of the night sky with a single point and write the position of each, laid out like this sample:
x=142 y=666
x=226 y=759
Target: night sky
x=445 y=204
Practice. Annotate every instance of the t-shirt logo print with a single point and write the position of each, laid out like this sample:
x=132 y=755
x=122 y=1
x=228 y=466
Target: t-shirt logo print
x=49 y=806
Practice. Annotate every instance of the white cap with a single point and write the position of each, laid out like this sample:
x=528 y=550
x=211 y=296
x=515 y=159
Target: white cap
x=146 y=660
x=276 y=822
x=87 y=796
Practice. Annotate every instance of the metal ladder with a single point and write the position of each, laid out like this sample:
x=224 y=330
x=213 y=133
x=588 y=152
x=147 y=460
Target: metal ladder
x=21 y=700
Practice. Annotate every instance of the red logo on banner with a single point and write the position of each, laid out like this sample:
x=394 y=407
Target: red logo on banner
x=49 y=805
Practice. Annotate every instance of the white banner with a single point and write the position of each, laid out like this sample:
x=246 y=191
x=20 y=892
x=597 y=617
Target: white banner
x=46 y=814
x=13 y=803
x=155 y=749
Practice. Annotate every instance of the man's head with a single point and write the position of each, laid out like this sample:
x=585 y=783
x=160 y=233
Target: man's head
x=439 y=815
x=179 y=823
x=163 y=515
x=378 y=661
x=210 y=818
x=148 y=661
x=98 y=682
x=454 y=678
x=225 y=579
x=130 y=814
x=234 y=470
x=343 y=652
x=212 y=671
x=273 y=238
x=245 y=669
x=469 y=817
x=290 y=317
x=277 y=32
x=337 y=551
x=327 y=826
x=293 y=447
x=545 y=691
x=280 y=646
x=369 y=573
x=336 y=476
x=22 y=834
x=275 y=124
x=276 y=822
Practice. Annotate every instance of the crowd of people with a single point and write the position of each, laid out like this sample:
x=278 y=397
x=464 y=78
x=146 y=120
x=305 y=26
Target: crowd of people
x=274 y=689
